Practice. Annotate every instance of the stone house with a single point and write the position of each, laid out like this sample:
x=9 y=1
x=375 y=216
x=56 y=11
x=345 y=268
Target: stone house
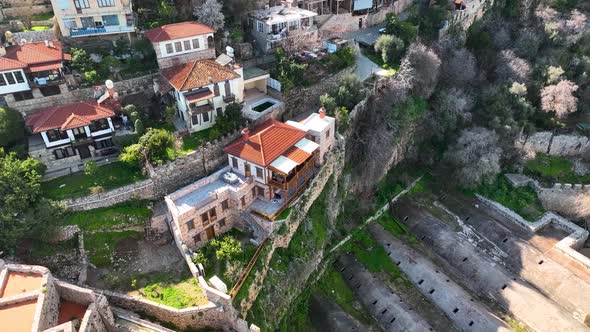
x=182 y=42
x=32 y=70
x=67 y=135
x=268 y=168
x=94 y=18
x=273 y=27
x=202 y=89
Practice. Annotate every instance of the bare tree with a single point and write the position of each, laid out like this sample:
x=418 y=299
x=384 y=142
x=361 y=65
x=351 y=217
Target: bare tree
x=459 y=67
x=475 y=157
x=559 y=98
x=511 y=68
x=426 y=66
x=210 y=14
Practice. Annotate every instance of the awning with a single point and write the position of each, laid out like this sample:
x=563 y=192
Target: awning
x=193 y=97
x=283 y=164
x=43 y=67
x=297 y=155
x=307 y=145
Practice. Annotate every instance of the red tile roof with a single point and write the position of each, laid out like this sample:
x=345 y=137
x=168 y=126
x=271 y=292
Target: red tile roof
x=177 y=31
x=266 y=143
x=33 y=57
x=297 y=155
x=196 y=74
x=68 y=116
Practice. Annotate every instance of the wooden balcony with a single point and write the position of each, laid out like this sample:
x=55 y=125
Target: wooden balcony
x=293 y=183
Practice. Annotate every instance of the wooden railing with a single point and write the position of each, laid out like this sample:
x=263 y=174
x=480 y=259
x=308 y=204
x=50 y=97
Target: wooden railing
x=234 y=291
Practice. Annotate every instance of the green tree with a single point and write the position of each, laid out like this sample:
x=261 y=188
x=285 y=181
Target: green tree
x=90 y=168
x=132 y=155
x=81 y=60
x=169 y=113
x=139 y=129
x=155 y=144
x=230 y=120
x=12 y=127
x=226 y=248
x=91 y=77
x=403 y=29
x=390 y=47
x=287 y=71
x=23 y=212
x=328 y=102
x=349 y=91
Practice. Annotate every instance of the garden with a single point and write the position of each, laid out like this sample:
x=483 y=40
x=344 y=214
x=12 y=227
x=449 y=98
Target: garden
x=554 y=169
x=172 y=288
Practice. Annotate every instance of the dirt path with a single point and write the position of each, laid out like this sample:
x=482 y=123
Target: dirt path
x=483 y=276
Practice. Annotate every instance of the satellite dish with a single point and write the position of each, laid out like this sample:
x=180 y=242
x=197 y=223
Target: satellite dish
x=109 y=84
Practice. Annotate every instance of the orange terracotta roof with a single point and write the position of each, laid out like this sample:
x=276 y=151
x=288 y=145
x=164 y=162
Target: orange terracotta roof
x=68 y=116
x=33 y=57
x=177 y=31
x=18 y=317
x=266 y=143
x=297 y=155
x=196 y=74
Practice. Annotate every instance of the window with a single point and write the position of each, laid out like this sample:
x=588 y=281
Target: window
x=2 y=80
x=87 y=22
x=106 y=3
x=224 y=205
x=10 y=78
x=259 y=173
x=19 y=77
x=110 y=20
x=213 y=214
x=234 y=162
x=178 y=47
x=190 y=224
x=206 y=117
x=254 y=192
x=56 y=135
x=100 y=124
x=219 y=111
x=103 y=144
x=169 y=48
x=259 y=26
x=216 y=89
x=243 y=201
x=81 y=4
x=197 y=238
x=260 y=192
x=59 y=153
x=187 y=45
x=195 y=43
x=328 y=133
x=222 y=222
x=205 y=219
x=227 y=88
x=79 y=132
x=64 y=153
x=70 y=23
x=69 y=151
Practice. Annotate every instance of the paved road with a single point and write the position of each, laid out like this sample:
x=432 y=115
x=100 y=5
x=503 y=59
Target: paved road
x=388 y=309
x=524 y=254
x=466 y=313
x=483 y=276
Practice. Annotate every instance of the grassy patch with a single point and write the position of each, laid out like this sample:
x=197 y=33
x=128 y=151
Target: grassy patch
x=286 y=212
x=193 y=141
x=107 y=177
x=333 y=285
x=243 y=292
x=521 y=200
x=40 y=249
x=131 y=213
x=168 y=289
x=102 y=246
x=394 y=227
x=554 y=169
x=42 y=17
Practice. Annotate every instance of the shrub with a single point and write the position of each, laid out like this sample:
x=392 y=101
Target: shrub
x=226 y=248
x=91 y=77
x=139 y=129
x=349 y=91
x=90 y=168
x=403 y=29
x=343 y=58
x=155 y=144
x=12 y=127
x=328 y=102
x=132 y=155
x=126 y=140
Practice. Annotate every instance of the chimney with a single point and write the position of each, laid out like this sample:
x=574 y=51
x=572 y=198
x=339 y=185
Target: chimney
x=245 y=134
x=51 y=44
x=322 y=112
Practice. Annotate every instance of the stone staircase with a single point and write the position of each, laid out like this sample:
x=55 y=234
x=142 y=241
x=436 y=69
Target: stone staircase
x=259 y=233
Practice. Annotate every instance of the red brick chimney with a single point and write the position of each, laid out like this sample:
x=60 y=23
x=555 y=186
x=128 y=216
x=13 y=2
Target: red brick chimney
x=245 y=133
x=322 y=112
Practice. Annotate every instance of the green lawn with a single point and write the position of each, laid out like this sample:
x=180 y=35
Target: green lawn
x=521 y=200
x=40 y=249
x=193 y=141
x=102 y=246
x=286 y=212
x=554 y=169
x=108 y=177
x=131 y=213
x=166 y=288
x=42 y=16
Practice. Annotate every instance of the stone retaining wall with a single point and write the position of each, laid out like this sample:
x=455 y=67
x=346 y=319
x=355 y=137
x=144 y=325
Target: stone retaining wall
x=125 y=87
x=556 y=145
x=139 y=190
x=568 y=245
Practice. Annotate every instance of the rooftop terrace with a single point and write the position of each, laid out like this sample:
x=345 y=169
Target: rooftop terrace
x=20 y=283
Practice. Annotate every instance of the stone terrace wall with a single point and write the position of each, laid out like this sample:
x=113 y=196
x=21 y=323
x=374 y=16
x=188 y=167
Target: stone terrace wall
x=207 y=159
x=138 y=190
x=302 y=100
x=35 y=36
x=125 y=87
x=557 y=145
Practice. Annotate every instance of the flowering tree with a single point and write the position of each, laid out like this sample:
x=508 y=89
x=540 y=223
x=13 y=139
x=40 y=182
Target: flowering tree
x=209 y=13
x=559 y=98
